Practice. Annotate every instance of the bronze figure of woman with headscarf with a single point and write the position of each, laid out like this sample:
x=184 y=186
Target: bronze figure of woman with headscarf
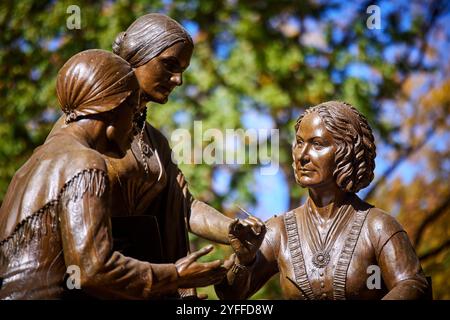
x=146 y=182
x=57 y=210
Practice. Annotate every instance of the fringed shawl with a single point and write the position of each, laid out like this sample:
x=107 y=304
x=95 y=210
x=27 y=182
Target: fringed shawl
x=55 y=174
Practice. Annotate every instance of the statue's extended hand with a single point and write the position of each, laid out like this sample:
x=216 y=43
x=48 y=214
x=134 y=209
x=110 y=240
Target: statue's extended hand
x=193 y=274
x=246 y=237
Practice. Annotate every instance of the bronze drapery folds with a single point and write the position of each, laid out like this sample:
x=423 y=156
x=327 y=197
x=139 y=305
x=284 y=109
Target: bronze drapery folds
x=57 y=211
x=139 y=182
x=64 y=184
x=146 y=182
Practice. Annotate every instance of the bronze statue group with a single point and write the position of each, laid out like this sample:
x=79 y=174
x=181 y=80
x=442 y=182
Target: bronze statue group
x=102 y=194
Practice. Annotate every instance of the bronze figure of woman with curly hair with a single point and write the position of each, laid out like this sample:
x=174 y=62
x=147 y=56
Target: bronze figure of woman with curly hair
x=329 y=247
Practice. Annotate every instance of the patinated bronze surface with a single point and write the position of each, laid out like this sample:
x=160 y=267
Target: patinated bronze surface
x=325 y=248
x=140 y=183
x=56 y=213
x=146 y=181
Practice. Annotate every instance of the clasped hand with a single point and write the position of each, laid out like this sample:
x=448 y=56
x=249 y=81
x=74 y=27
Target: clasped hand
x=246 y=237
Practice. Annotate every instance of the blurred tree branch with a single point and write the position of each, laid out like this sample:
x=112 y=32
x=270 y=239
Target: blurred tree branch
x=433 y=216
x=403 y=155
x=434 y=252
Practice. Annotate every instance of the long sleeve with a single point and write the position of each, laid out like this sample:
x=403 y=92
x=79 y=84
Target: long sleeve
x=399 y=264
x=87 y=243
x=176 y=204
x=243 y=283
x=208 y=223
x=401 y=269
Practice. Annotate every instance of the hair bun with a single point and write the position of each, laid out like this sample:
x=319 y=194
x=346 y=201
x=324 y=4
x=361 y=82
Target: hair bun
x=117 y=44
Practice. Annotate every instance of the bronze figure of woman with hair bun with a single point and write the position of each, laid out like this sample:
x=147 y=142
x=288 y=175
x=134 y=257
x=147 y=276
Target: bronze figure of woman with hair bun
x=328 y=247
x=146 y=183
x=56 y=215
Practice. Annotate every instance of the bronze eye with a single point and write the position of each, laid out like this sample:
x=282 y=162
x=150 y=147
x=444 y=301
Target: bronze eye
x=318 y=145
x=171 y=65
x=298 y=144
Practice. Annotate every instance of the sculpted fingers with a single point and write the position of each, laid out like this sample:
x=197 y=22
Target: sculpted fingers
x=232 y=229
x=256 y=220
x=243 y=228
x=212 y=273
x=212 y=265
x=229 y=262
x=199 y=253
x=254 y=225
x=198 y=274
x=258 y=227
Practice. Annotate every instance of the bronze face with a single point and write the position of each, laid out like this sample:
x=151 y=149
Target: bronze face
x=158 y=77
x=324 y=248
x=314 y=153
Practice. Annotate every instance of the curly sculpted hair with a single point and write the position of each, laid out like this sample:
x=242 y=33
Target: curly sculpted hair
x=356 y=151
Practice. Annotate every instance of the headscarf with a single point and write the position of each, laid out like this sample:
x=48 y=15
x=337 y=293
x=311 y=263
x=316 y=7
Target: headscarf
x=94 y=81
